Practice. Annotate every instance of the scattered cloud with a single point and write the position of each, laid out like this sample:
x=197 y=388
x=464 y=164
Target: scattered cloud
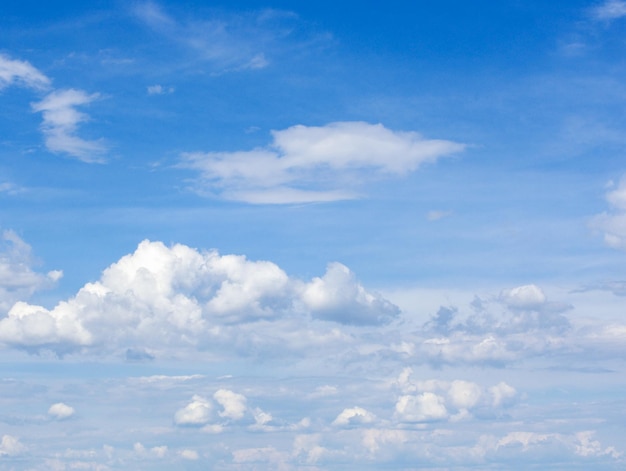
x=18 y=280
x=159 y=90
x=436 y=215
x=21 y=73
x=613 y=222
x=609 y=10
x=61 y=120
x=230 y=43
x=315 y=164
x=354 y=415
x=61 y=411
x=197 y=412
x=11 y=446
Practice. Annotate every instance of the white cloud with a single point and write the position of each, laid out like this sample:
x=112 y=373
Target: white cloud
x=234 y=405
x=17 y=278
x=197 y=412
x=613 y=222
x=523 y=297
x=11 y=446
x=61 y=411
x=159 y=90
x=21 y=73
x=354 y=415
x=425 y=407
x=230 y=43
x=610 y=10
x=338 y=296
x=189 y=455
x=315 y=164
x=60 y=123
x=160 y=297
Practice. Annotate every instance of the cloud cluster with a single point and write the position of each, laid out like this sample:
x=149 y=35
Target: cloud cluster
x=160 y=297
x=58 y=107
x=437 y=400
x=315 y=164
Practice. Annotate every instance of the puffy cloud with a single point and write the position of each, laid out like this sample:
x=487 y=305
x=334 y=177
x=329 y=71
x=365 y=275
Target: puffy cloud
x=523 y=297
x=61 y=411
x=315 y=164
x=502 y=393
x=354 y=415
x=197 y=412
x=464 y=394
x=61 y=120
x=234 y=405
x=11 y=446
x=613 y=222
x=425 y=407
x=160 y=297
x=338 y=296
x=17 y=278
x=21 y=73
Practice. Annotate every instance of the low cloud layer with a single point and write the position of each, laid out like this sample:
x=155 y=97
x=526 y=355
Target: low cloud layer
x=315 y=164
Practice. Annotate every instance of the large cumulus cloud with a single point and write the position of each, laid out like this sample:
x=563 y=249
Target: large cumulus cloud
x=159 y=297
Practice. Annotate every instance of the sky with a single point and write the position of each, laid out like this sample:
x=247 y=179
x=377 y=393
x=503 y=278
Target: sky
x=320 y=235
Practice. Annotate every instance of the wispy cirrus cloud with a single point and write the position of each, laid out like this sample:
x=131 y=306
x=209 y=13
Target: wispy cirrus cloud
x=21 y=73
x=315 y=163
x=60 y=124
x=230 y=43
x=609 y=10
x=58 y=107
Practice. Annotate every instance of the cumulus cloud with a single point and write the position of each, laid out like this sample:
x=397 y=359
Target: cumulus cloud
x=612 y=223
x=197 y=412
x=21 y=73
x=11 y=446
x=233 y=404
x=18 y=280
x=609 y=10
x=315 y=164
x=61 y=411
x=60 y=123
x=161 y=297
x=354 y=415
x=338 y=296
x=425 y=407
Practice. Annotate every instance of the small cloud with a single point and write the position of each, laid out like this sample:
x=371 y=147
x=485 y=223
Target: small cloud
x=197 y=412
x=11 y=446
x=436 y=215
x=234 y=404
x=189 y=455
x=609 y=10
x=61 y=411
x=612 y=223
x=354 y=415
x=60 y=123
x=21 y=73
x=159 y=90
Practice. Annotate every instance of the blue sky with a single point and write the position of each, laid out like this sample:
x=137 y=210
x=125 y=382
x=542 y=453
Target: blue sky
x=324 y=235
